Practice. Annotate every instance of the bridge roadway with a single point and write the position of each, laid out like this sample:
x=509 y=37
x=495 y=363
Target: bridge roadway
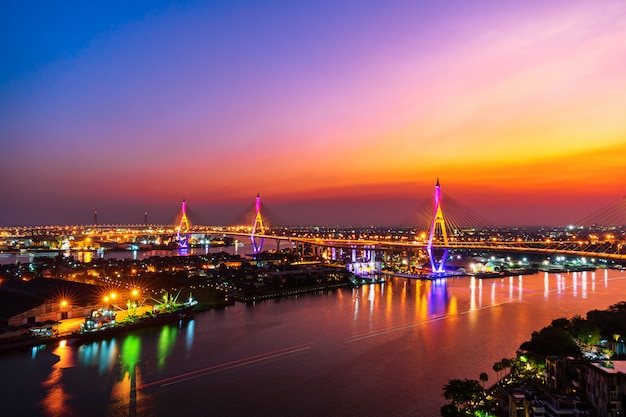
x=537 y=247
x=580 y=249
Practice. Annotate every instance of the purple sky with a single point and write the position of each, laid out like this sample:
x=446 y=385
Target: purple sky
x=336 y=112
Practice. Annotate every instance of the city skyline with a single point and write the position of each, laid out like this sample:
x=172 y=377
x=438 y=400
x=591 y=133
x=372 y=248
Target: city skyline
x=335 y=113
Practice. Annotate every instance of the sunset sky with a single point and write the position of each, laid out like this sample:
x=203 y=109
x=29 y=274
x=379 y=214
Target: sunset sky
x=335 y=112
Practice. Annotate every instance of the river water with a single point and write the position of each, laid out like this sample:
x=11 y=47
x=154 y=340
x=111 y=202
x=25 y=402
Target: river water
x=88 y=256
x=379 y=350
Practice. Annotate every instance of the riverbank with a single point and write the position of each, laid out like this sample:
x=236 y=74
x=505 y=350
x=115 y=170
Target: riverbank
x=65 y=330
x=425 y=276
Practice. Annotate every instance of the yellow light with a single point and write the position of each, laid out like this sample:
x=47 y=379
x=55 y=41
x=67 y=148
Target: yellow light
x=135 y=292
x=64 y=303
x=113 y=296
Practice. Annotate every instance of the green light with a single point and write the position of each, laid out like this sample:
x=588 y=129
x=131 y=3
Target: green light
x=131 y=354
x=166 y=343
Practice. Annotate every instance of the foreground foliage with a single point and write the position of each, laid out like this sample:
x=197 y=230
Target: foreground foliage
x=577 y=337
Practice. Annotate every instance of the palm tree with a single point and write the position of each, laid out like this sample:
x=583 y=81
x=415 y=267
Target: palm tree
x=483 y=378
x=506 y=364
x=497 y=367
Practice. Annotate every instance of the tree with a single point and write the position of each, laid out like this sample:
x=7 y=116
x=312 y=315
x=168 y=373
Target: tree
x=584 y=331
x=462 y=393
x=561 y=323
x=497 y=368
x=551 y=341
x=450 y=410
x=483 y=378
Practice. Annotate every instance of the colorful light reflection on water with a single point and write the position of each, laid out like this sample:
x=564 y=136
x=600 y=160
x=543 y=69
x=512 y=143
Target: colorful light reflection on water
x=402 y=339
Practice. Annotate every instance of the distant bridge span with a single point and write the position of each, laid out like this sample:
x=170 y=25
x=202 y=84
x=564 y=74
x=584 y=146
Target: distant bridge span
x=537 y=247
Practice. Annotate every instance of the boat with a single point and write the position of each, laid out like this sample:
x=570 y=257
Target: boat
x=521 y=271
x=489 y=274
x=101 y=323
x=90 y=332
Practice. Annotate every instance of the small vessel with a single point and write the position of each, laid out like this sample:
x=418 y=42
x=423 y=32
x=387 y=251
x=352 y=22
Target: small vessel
x=101 y=323
x=489 y=274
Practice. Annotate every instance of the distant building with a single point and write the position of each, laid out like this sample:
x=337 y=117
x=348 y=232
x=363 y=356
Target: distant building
x=606 y=387
x=565 y=375
x=27 y=304
x=537 y=401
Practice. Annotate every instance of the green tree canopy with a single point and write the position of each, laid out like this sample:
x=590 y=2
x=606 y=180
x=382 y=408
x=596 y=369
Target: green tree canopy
x=462 y=392
x=551 y=341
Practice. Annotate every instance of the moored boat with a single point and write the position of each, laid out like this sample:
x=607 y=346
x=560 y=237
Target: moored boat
x=181 y=313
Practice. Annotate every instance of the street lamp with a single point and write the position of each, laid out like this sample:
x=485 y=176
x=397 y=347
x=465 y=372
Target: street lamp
x=110 y=299
x=63 y=307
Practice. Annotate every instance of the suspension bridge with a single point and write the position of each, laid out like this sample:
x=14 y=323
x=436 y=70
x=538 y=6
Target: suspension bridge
x=439 y=231
x=440 y=225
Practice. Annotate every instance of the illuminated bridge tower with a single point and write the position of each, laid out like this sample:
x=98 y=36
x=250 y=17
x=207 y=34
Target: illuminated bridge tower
x=182 y=232
x=437 y=232
x=257 y=228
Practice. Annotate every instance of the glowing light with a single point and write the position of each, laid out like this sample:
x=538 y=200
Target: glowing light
x=438 y=223
x=182 y=231
x=257 y=228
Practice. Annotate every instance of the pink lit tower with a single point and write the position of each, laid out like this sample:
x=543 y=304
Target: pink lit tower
x=438 y=233
x=182 y=232
x=257 y=228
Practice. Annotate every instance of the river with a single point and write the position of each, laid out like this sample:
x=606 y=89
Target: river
x=88 y=256
x=378 y=350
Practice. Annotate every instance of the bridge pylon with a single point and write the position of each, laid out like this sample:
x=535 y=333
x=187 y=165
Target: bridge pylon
x=257 y=228
x=182 y=230
x=437 y=233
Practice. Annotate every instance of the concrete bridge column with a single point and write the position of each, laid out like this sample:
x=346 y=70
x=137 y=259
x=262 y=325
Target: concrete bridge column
x=333 y=254
x=408 y=259
x=353 y=255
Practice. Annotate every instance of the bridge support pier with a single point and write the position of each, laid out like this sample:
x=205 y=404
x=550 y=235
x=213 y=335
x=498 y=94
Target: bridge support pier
x=438 y=232
x=408 y=259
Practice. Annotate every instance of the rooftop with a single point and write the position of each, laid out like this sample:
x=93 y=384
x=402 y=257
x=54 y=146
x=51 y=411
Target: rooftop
x=611 y=367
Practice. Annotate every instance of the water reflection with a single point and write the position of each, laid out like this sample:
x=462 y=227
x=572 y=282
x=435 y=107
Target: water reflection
x=56 y=401
x=438 y=297
x=124 y=391
x=420 y=319
x=191 y=328
x=102 y=355
x=166 y=344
